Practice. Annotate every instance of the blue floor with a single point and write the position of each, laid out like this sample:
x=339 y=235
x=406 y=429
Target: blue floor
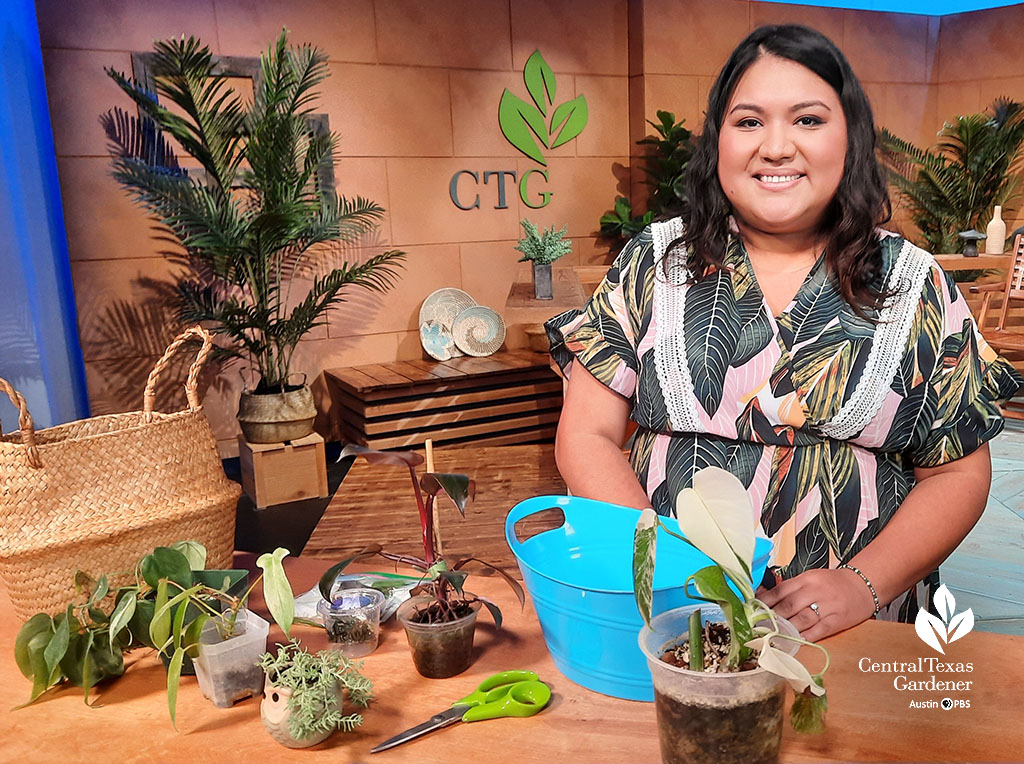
x=986 y=572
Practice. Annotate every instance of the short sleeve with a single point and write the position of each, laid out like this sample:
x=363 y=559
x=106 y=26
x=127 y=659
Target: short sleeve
x=967 y=381
x=603 y=334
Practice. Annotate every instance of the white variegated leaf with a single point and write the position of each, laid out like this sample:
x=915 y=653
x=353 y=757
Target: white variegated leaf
x=697 y=525
x=729 y=506
x=645 y=539
x=930 y=629
x=789 y=668
x=960 y=625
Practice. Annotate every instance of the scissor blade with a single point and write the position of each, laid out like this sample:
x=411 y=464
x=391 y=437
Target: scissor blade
x=435 y=722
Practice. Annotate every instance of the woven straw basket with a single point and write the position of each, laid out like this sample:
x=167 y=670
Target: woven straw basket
x=100 y=493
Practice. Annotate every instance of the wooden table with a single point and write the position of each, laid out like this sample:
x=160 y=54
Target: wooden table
x=868 y=720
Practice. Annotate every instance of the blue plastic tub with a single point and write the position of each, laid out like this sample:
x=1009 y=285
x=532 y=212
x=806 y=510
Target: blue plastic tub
x=580 y=578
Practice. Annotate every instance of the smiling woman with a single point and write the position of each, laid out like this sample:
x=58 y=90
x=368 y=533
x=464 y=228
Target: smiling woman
x=775 y=331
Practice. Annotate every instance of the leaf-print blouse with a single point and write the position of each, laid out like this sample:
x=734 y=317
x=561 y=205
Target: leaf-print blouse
x=822 y=415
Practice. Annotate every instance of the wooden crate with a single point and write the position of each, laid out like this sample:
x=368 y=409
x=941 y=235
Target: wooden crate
x=507 y=398
x=275 y=473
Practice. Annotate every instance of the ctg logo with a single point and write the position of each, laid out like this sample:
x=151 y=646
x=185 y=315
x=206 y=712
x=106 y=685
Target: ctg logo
x=935 y=632
x=531 y=128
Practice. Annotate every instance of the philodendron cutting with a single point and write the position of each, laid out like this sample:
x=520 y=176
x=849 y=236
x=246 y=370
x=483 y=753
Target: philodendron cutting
x=716 y=517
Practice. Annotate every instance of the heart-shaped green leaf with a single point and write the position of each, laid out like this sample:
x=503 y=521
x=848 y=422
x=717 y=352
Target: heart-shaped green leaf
x=40 y=623
x=193 y=551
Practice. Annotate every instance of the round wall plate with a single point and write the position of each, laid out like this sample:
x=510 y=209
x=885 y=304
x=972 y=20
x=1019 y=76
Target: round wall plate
x=478 y=331
x=437 y=341
x=444 y=305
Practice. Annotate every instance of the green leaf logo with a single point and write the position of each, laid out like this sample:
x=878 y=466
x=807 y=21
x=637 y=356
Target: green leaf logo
x=526 y=125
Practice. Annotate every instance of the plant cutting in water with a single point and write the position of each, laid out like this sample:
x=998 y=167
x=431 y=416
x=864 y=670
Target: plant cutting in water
x=314 y=680
x=717 y=518
x=441 y=580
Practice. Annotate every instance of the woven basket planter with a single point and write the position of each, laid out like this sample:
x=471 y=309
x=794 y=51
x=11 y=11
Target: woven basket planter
x=98 y=494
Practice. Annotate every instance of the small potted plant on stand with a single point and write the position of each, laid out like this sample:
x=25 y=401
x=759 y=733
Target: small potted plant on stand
x=439 y=622
x=720 y=673
x=304 y=697
x=542 y=249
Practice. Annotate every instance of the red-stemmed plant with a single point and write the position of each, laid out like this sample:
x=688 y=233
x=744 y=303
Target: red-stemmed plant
x=441 y=580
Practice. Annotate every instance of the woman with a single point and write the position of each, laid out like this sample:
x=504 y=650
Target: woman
x=774 y=331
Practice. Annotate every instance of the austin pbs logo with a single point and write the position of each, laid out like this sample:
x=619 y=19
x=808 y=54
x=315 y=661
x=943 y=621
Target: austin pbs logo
x=935 y=632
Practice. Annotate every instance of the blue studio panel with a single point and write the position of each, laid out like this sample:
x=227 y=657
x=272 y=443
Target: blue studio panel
x=39 y=349
x=921 y=7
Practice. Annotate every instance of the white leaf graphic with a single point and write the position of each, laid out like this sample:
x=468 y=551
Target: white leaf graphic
x=961 y=625
x=944 y=603
x=930 y=629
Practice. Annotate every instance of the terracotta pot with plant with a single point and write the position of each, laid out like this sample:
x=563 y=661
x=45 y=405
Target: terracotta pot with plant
x=255 y=220
x=542 y=249
x=440 y=619
x=305 y=694
x=720 y=672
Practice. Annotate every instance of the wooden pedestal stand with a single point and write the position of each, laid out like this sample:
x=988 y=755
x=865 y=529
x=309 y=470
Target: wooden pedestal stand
x=275 y=473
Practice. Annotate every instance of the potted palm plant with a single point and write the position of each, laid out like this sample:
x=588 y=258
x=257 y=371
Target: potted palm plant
x=440 y=619
x=953 y=187
x=254 y=219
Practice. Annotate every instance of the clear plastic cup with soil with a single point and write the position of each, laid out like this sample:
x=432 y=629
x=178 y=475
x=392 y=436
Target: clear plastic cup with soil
x=352 y=621
x=440 y=648
x=716 y=715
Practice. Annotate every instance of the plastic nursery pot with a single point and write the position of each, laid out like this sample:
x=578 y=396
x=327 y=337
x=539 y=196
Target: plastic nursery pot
x=228 y=669
x=275 y=714
x=733 y=718
x=352 y=620
x=439 y=650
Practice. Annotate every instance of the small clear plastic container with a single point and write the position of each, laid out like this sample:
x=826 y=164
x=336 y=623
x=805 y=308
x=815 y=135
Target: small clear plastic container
x=726 y=718
x=228 y=669
x=352 y=620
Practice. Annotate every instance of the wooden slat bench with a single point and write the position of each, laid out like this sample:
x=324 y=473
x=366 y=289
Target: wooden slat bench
x=507 y=398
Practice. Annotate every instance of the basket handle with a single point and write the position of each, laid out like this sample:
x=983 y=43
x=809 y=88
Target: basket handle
x=532 y=506
x=192 y=381
x=28 y=428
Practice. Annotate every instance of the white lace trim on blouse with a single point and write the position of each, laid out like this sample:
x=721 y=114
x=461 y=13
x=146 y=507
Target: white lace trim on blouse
x=673 y=372
x=888 y=346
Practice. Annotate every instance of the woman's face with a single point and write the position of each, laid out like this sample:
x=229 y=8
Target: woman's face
x=781 y=148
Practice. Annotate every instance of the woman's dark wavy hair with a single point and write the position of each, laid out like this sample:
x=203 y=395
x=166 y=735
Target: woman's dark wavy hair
x=861 y=202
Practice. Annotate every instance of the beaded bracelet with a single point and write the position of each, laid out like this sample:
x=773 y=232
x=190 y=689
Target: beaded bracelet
x=871 y=589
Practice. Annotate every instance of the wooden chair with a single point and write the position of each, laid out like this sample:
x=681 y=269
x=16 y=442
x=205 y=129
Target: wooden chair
x=1001 y=337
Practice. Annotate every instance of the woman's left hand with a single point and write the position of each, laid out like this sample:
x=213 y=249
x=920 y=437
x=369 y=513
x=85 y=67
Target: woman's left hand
x=841 y=597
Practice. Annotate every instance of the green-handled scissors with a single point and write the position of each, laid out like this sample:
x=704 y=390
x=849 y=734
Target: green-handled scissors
x=509 y=693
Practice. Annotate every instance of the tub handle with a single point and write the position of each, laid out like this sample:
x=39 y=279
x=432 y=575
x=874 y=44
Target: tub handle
x=571 y=506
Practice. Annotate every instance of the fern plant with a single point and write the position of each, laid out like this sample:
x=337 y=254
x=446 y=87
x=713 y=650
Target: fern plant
x=313 y=678
x=542 y=248
x=253 y=217
x=954 y=187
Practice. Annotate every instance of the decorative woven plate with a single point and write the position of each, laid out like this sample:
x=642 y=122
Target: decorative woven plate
x=478 y=331
x=437 y=341
x=444 y=305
